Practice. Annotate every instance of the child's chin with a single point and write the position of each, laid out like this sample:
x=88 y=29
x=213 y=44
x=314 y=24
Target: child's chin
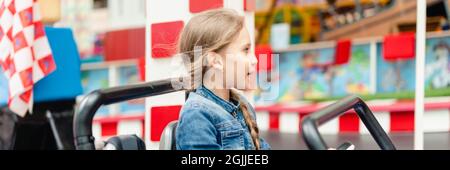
x=246 y=87
x=250 y=83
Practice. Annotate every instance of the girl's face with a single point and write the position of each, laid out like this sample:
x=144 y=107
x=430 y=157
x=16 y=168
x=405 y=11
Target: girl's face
x=239 y=63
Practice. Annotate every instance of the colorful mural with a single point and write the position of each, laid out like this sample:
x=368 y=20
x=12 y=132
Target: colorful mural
x=394 y=76
x=127 y=76
x=437 y=71
x=305 y=74
x=93 y=80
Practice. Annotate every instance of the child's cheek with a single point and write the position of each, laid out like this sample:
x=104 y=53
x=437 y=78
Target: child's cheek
x=251 y=81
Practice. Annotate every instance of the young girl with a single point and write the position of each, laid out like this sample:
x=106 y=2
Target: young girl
x=216 y=116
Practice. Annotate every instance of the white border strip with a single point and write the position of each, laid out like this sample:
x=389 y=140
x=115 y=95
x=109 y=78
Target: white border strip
x=420 y=80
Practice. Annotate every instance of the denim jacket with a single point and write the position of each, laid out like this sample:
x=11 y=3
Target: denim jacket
x=207 y=122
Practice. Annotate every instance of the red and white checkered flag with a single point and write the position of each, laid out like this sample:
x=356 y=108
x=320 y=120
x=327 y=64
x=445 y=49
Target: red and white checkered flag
x=25 y=54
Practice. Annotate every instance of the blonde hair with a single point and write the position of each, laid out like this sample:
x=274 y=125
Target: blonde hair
x=212 y=31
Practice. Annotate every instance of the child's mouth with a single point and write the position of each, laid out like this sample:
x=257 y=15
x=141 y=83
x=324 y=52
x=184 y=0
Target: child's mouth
x=250 y=73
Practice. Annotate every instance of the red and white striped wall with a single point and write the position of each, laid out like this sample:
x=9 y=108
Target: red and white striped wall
x=105 y=127
x=165 y=20
x=394 y=116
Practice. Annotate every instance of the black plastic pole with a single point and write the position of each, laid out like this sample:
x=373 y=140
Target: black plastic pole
x=92 y=102
x=310 y=124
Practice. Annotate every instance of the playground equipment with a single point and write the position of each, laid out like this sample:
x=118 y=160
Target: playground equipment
x=84 y=139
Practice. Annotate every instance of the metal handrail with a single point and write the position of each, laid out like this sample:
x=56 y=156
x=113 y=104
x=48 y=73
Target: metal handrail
x=310 y=124
x=91 y=103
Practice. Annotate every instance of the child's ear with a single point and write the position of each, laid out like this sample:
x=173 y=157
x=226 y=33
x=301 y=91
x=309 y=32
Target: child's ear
x=214 y=60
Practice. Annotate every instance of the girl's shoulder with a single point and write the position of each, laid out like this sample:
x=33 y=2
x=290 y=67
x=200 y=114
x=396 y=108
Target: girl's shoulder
x=197 y=105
